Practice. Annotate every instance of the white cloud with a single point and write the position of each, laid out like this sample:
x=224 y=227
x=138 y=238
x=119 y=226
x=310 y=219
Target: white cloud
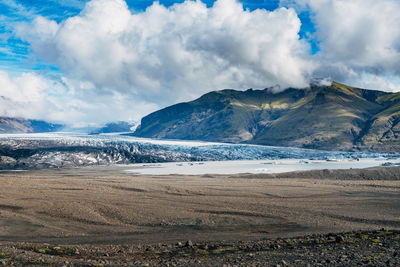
x=22 y=96
x=119 y=65
x=383 y=82
x=165 y=55
x=66 y=101
x=358 y=39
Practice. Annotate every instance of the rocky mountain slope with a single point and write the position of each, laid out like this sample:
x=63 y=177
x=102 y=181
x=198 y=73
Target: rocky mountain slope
x=115 y=127
x=335 y=117
x=18 y=125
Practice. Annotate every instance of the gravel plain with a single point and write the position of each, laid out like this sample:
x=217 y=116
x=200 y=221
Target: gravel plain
x=101 y=216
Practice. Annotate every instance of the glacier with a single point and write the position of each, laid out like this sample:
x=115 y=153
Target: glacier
x=56 y=150
x=252 y=166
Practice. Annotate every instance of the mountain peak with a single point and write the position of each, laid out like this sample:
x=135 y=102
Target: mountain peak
x=19 y=125
x=334 y=116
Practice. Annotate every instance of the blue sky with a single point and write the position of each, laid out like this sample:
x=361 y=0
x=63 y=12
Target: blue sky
x=84 y=62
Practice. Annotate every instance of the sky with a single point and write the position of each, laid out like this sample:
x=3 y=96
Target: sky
x=85 y=63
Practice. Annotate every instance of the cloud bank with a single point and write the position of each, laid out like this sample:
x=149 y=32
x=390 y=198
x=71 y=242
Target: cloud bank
x=164 y=55
x=75 y=103
x=359 y=40
x=120 y=65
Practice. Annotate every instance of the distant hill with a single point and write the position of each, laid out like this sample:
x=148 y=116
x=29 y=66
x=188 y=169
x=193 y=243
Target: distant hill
x=336 y=117
x=18 y=125
x=115 y=127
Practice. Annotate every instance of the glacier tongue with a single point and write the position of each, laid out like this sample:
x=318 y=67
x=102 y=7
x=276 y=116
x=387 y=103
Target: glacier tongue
x=26 y=151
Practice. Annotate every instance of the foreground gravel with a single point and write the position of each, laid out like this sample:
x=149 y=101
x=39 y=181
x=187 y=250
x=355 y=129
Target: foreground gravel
x=368 y=248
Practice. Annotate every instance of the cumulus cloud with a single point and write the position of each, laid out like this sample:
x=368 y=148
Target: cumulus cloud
x=372 y=81
x=66 y=101
x=164 y=55
x=22 y=96
x=120 y=65
x=358 y=39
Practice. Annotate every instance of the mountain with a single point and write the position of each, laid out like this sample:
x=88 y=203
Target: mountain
x=18 y=125
x=116 y=127
x=335 y=117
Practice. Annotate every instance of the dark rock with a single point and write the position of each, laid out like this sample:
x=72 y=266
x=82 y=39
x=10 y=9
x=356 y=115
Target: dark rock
x=205 y=246
x=339 y=238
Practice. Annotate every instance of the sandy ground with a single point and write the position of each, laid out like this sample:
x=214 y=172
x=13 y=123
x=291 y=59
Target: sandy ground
x=103 y=205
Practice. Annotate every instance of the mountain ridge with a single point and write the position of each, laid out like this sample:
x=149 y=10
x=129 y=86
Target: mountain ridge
x=335 y=117
x=115 y=127
x=21 y=125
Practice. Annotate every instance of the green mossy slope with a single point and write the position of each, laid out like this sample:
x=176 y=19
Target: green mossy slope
x=323 y=117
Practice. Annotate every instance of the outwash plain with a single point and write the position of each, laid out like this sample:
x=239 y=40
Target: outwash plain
x=101 y=216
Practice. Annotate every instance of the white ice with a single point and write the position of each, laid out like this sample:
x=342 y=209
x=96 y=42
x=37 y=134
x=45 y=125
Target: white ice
x=251 y=166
